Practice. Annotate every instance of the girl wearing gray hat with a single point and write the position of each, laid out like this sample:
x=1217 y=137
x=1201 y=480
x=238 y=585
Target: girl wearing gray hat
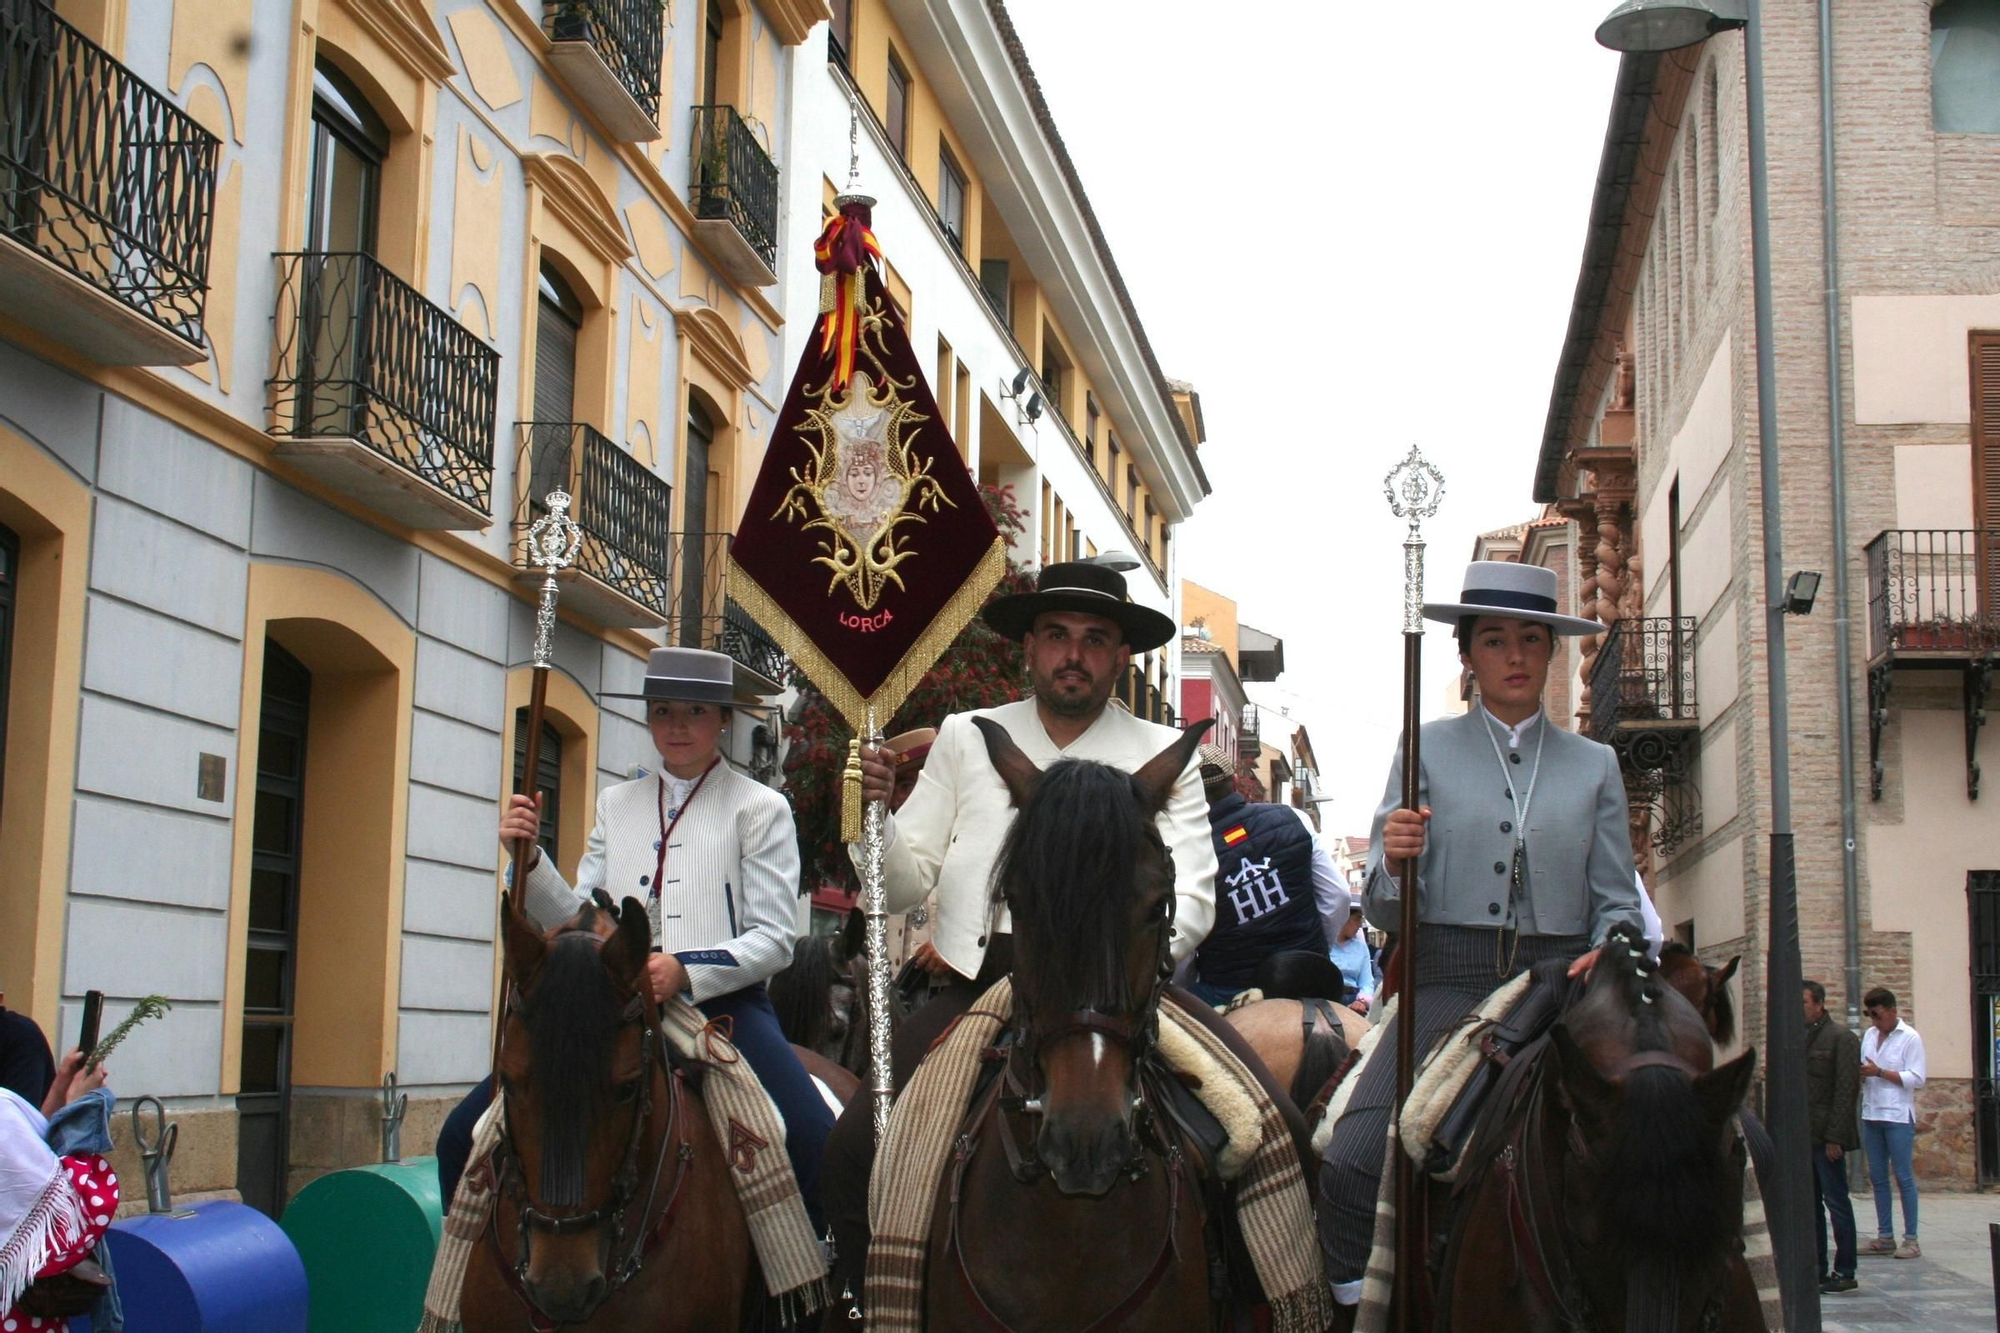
x=1523 y=851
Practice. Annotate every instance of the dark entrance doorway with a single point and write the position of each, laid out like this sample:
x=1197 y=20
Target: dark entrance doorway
x=694 y=519
x=548 y=778
x=1982 y=891
x=263 y=1104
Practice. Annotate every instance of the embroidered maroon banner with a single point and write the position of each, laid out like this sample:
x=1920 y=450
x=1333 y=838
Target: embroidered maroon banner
x=864 y=548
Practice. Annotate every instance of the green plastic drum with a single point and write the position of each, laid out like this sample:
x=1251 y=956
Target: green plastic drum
x=367 y=1237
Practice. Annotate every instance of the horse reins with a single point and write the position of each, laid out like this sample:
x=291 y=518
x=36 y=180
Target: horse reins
x=625 y=1186
x=1009 y=1094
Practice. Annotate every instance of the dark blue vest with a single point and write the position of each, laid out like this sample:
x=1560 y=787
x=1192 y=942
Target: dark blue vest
x=1263 y=891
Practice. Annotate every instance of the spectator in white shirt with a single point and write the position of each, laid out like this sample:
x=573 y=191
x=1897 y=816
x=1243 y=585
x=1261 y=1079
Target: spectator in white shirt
x=1892 y=1069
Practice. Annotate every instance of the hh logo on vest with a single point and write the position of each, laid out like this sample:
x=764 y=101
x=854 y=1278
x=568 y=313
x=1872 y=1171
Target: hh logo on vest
x=1255 y=889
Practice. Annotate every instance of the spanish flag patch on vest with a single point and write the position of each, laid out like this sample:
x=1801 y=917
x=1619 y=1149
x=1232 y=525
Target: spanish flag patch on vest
x=1231 y=837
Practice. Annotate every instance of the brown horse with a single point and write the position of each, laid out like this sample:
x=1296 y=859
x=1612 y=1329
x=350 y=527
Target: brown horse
x=1612 y=1196
x=1706 y=988
x=1290 y=1037
x=614 y=1209
x=1078 y=1205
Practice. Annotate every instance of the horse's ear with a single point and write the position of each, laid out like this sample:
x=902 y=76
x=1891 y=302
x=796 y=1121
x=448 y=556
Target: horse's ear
x=1718 y=977
x=624 y=954
x=522 y=945
x=1587 y=1092
x=1015 y=768
x=1157 y=776
x=1721 y=1091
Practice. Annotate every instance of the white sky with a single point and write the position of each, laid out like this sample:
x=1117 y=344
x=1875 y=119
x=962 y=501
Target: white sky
x=1390 y=202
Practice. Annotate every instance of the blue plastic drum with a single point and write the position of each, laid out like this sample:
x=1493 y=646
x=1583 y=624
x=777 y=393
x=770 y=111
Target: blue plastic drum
x=226 y=1269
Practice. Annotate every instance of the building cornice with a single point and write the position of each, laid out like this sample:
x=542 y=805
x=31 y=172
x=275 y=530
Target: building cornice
x=408 y=32
x=1646 y=108
x=979 y=71
x=573 y=196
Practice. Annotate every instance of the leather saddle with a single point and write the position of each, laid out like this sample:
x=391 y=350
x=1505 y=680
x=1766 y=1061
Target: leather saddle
x=1490 y=1094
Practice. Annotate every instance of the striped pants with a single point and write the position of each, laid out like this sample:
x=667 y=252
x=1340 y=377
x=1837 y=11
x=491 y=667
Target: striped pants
x=1460 y=966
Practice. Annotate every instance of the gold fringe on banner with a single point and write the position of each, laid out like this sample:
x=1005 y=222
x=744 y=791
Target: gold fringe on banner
x=830 y=681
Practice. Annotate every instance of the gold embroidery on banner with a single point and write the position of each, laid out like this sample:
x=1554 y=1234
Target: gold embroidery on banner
x=865 y=480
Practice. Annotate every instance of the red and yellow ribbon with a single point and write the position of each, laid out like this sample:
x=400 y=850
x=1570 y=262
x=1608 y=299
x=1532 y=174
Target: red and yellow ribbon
x=842 y=254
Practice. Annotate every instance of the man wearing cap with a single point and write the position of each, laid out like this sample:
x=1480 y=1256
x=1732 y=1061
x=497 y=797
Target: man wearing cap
x=1079 y=633
x=1276 y=889
x=1523 y=851
x=1355 y=958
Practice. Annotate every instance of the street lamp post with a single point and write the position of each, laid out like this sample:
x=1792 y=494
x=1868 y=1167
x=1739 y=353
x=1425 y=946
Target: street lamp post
x=1664 y=25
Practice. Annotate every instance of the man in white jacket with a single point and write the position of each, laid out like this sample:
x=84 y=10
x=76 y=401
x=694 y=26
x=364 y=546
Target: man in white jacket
x=1079 y=633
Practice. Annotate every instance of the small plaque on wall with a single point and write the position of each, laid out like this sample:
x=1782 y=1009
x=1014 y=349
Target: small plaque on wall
x=209 y=777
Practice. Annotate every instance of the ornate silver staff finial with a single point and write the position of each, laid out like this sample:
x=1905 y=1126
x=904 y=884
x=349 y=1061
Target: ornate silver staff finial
x=553 y=542
x=1414 y=488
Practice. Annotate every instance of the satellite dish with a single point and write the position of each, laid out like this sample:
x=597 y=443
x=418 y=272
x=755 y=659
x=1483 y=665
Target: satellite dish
x=1021 y=380
x=1034 y=407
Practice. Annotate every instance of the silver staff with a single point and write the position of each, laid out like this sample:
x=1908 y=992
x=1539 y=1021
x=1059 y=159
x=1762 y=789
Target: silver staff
x=1414 y=489
x=553 y=542
x=875 y=911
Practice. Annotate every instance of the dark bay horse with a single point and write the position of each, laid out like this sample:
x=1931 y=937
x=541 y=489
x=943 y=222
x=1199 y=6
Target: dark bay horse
x=1078 y=1206
x=1613 y=1196
x=614 y=1209
x=1706 y=988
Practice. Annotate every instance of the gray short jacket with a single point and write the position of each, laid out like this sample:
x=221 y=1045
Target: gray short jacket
x=1579 y=858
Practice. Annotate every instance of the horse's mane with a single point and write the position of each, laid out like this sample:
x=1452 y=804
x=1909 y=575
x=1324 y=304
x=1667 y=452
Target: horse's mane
x=1066 y=869
x=1666 y=1195
x=572 y=1020
x=803 y=993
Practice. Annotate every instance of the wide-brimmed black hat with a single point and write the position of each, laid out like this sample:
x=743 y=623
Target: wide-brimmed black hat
x=1079 y=585
x=696 y=675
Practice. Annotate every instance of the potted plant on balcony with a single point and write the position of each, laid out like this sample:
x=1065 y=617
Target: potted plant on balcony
x=1937 y=632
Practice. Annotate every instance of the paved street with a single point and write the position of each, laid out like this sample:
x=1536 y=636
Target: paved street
x=1950 y=1288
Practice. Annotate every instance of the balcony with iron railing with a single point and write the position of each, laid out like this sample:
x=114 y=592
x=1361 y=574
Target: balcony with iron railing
x=381 y=394
x=1248 y=741
x=623 y=572
x=608 y=53
x=734 y=189
x=1642 y=704
x=1933 y=607
x=107 y=194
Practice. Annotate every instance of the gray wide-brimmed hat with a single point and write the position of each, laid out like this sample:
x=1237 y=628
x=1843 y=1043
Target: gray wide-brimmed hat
x=1504 y=588
x=698 y=676
x=1081 y=585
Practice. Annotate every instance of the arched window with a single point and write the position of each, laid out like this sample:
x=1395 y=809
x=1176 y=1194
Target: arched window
x=701 y=432
x=1965 y=67
x=349 y=142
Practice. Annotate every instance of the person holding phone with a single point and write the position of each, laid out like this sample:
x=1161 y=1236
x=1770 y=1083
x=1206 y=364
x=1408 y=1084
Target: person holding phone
x=58 y=1194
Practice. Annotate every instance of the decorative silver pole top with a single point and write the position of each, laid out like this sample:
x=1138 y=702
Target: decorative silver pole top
x=1414 y=488
x=553 y=542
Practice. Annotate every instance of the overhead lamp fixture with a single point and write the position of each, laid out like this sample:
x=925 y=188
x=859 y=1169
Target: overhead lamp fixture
x=1034 y=408
x=1019 y=383
x=1652 y=26
x=1800 y=590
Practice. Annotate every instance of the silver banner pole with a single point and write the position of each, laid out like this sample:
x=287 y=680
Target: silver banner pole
x=875 y=912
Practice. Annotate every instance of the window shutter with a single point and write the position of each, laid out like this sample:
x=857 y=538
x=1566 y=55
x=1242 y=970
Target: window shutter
x=1986 y=468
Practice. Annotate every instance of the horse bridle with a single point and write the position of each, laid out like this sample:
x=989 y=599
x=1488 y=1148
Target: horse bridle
x=609 y=1214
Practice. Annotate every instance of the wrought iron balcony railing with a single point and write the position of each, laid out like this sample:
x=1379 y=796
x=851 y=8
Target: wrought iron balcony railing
x=101 y=174
x=745 y=640
x=735 y=179
x=1248 y=741
x=624 y=508
x=1643 y=677
x=1934 y=590
x=626 y=34
x=363 y=356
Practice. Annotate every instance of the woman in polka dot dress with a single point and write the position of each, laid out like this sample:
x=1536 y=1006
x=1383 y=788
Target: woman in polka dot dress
x=54 y=1206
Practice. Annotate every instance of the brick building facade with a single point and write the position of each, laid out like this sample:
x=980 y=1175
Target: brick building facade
x=1651 y=448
